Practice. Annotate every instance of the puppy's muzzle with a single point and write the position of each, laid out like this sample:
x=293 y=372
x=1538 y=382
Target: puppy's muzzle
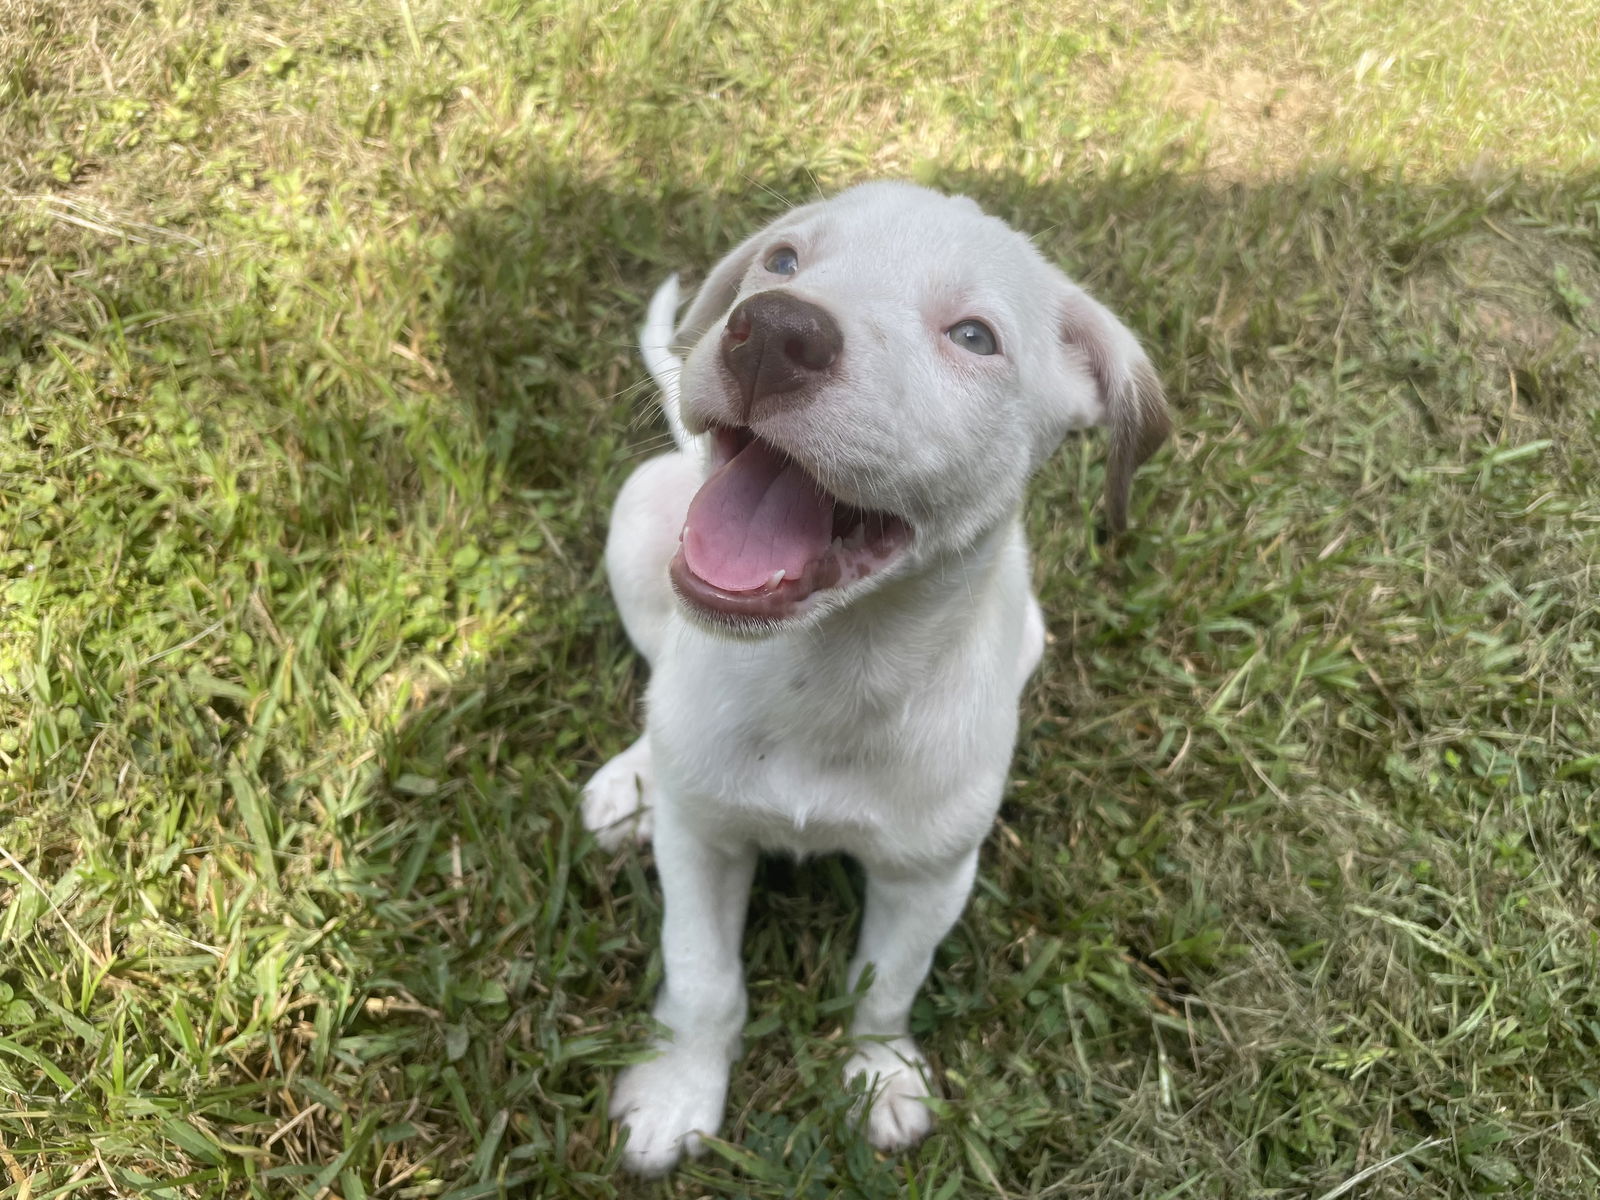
x=775 y=347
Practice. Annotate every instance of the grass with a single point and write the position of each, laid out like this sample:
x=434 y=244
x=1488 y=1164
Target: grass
x=316 y=380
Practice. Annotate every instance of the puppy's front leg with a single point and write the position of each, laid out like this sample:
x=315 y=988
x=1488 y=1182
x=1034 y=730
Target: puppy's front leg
x=907 y=916
x=669 y=1101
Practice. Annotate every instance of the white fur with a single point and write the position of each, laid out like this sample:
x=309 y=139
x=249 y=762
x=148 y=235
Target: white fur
x=882 y=723
x=655 y=347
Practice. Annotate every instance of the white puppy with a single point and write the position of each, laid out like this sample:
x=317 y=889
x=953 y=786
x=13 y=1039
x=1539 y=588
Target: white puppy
x=830 y=583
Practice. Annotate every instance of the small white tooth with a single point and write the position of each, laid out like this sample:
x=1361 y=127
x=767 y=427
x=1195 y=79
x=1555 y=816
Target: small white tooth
x=777 y=578
x=857 y=538
x=836 y=545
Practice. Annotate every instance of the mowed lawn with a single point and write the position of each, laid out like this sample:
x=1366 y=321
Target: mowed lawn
x=316 y=381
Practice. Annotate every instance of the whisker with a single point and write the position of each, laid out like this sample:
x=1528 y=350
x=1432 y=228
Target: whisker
x=642 y=418
x=816 y=185
x=771 y=191
x=639 y=387
x=648 y=449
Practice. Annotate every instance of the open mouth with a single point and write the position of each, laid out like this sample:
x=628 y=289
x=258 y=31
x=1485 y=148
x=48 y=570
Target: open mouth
x=763 y=537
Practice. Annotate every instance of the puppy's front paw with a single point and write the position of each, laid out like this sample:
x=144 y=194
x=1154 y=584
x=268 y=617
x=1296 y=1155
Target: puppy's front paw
x=896 y=1075
x=665 y=1105
x=617 y=801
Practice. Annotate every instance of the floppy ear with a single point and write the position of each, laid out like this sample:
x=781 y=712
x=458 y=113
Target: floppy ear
x=721 y=288
x=1132 y=404
x=716 y=295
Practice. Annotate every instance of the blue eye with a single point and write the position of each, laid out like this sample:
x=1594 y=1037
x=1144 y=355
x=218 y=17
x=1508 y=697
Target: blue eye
x=974 y=336
x=783 y=261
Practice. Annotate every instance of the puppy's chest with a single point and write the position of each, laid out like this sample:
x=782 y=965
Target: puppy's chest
x=796 y=759
x=794 y=732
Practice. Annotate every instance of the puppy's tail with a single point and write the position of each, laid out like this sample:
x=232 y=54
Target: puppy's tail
x=655 y=345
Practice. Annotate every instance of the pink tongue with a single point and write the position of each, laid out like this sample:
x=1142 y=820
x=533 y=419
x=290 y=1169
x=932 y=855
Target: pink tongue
x=757 y=515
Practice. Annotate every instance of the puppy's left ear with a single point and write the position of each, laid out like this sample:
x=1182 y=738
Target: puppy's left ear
x=716 y=295
x=1131 y=403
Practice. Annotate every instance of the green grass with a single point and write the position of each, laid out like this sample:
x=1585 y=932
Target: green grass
x=316 y=380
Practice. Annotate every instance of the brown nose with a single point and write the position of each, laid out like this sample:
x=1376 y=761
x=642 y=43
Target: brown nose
x=776 y=344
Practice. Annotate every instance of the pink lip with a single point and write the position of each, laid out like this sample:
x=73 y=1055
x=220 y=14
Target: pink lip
x=864 y=543
x=781 y=603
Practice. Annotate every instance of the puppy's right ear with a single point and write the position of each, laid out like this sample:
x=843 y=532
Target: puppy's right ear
x=721 y=288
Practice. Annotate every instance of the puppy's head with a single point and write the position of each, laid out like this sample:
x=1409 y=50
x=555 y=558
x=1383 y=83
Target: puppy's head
x=879 y=374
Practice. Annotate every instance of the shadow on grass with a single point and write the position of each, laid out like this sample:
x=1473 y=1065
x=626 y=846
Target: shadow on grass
x=1147 y=958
